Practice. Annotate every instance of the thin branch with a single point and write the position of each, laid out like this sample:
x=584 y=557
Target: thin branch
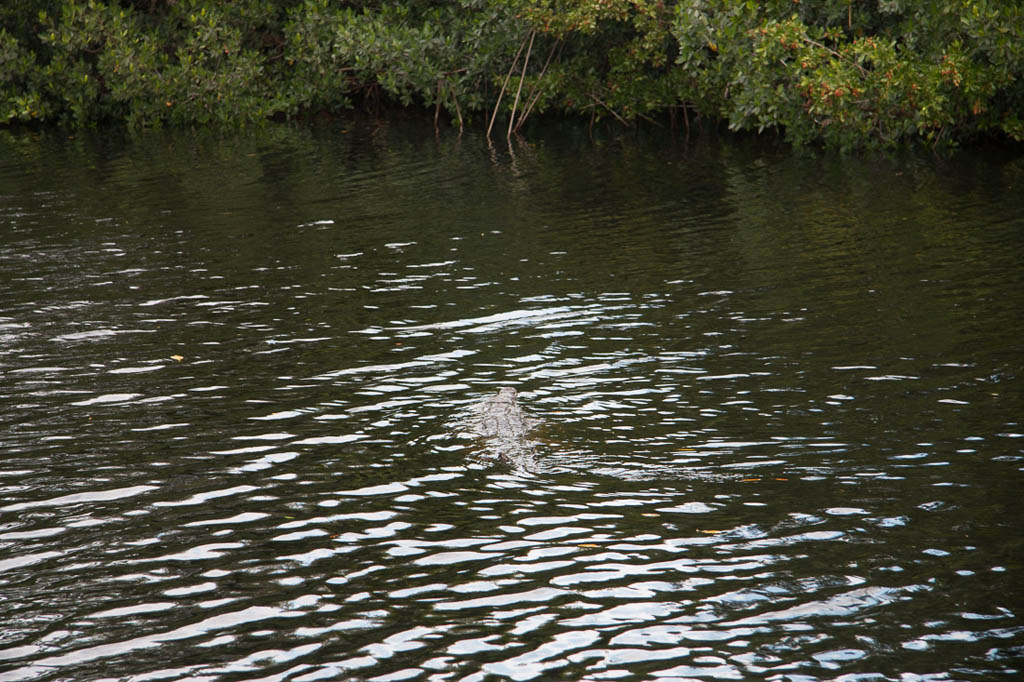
x=834 y=54
x=526 y=111
x=437 y=107
x=458 y=111
x=610 y=111
x=522 y=77
x=650 y=120
x=535 y=90
x=503 y=85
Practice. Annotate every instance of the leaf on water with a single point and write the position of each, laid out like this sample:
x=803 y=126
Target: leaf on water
x=177 y=358
x=710 y=532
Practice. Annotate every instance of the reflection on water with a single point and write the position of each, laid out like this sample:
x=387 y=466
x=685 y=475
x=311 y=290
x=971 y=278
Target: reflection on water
x=779 y=402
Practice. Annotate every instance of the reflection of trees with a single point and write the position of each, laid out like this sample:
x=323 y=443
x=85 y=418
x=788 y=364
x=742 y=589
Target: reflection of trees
x=879 y=243
x=888 y=249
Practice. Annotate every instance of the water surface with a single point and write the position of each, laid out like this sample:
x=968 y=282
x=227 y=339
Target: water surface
x=780 y=399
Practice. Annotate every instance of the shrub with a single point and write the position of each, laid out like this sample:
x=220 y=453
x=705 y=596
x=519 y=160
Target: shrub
x=837 y=73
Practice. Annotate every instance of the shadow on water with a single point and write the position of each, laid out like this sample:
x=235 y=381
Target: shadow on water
x=778 y=396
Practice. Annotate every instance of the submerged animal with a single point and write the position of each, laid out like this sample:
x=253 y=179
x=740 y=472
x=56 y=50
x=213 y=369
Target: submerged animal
x=504 y=426
x=501 y=416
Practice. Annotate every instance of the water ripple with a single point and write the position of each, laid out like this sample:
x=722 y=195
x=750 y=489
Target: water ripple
x=777 y=400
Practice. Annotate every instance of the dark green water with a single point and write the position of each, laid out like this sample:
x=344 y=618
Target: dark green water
x=781 y=400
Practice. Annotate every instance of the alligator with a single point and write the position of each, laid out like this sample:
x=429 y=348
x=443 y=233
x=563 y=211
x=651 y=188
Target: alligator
x=501 y=423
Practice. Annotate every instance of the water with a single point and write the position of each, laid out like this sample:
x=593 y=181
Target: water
x=780 y=399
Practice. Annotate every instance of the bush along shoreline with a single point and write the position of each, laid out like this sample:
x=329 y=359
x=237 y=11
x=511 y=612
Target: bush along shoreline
x=841 y=74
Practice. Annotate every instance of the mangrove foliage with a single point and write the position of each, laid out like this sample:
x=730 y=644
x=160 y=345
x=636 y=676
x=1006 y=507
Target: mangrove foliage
x=840 y=73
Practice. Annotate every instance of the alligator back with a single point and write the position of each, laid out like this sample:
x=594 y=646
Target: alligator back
x=502 y=423
x=501 y=416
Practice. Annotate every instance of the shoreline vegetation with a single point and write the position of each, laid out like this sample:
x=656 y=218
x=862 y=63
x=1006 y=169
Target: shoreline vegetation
x=839 y=74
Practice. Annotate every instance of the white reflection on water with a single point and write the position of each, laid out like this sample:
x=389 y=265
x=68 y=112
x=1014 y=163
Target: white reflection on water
x=81 y=498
